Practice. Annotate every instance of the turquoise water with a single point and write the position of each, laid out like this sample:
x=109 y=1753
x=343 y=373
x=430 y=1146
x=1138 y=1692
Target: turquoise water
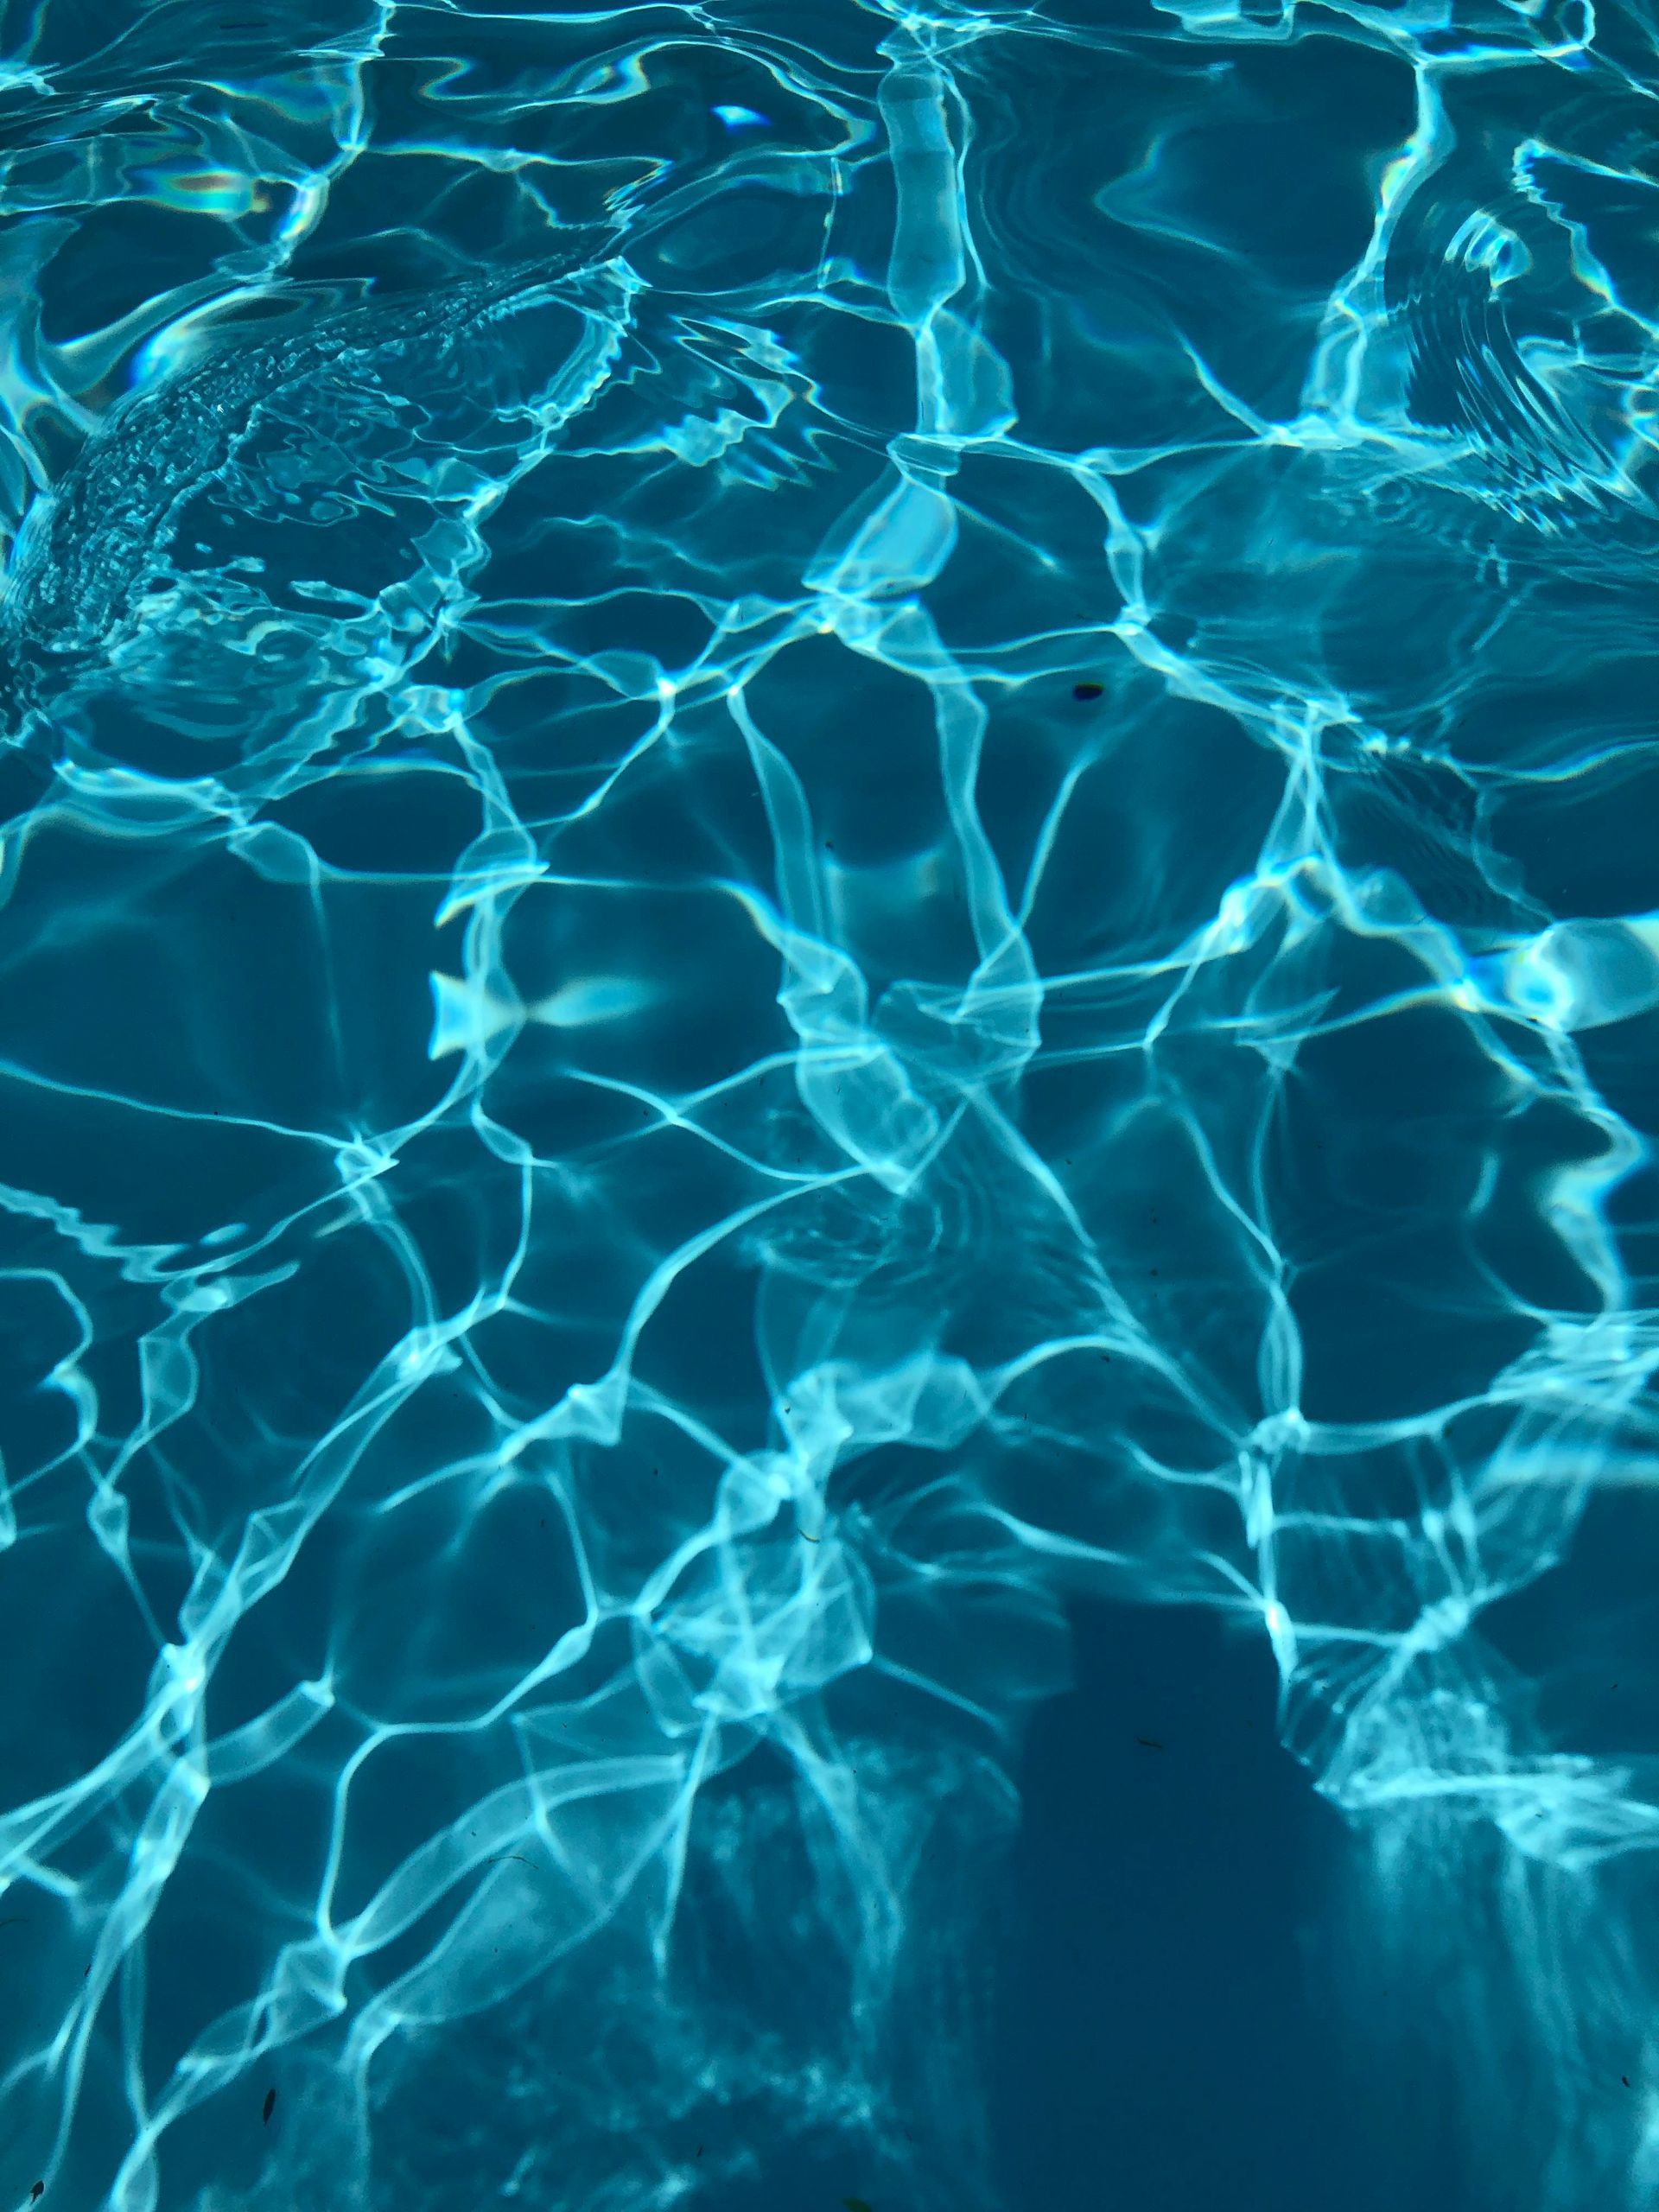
x=829 y=846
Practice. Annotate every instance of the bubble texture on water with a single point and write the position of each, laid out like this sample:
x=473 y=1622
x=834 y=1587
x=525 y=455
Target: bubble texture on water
x=822 y=823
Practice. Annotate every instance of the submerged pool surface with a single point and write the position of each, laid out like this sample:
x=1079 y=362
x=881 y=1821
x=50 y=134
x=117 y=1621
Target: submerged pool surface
x=828 y=1045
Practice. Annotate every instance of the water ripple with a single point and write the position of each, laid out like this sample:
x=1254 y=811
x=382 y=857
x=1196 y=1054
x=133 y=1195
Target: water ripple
x=818 y=825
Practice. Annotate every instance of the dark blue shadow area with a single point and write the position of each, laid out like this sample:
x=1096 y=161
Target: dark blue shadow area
x=1172 y=2035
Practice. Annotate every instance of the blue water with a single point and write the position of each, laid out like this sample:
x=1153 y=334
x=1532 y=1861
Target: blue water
x=829 y=1051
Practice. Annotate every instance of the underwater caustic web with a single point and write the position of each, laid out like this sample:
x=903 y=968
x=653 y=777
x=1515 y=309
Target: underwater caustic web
x=822 y=827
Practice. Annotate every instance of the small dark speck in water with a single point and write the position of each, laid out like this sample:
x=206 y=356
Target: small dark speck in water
x=855 y=2204
x=270 y=2105
x=1149 y=1743
x=1085 y=692
x=37 y=2192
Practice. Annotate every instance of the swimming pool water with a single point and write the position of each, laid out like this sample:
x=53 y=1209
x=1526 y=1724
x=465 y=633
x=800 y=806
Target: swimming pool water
x=829 y=847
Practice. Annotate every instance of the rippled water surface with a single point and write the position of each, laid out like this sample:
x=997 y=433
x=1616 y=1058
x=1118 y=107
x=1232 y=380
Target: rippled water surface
x=829 y=846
